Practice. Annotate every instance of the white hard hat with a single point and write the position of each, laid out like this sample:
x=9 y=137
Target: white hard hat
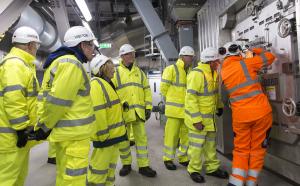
x=126 y=48
x=209 y=54
x=76 y=35
x=230 y=49
x=97 y=63
x=25 y=34
x=187 y=51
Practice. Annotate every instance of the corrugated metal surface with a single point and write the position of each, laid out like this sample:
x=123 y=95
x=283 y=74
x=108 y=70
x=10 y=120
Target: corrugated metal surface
x=208 y=22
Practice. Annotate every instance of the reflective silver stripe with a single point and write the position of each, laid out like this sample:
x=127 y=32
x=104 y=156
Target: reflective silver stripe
x=142 y=77
x=206 y=92
x=146 y=87
x=112 y=165
x=1 y=93
x=129 y=84
x=137 y=106
x=253 y=173
x=170 y=148
x=248 y=81
x=7 y=130
x=116 y=125
x=102 y=132
x=175 y=104
x=125 y=156
x=210 y=139
x=166 y=81
x=125 y=149
x=248 y=95
x=250 y=183
x=179 y=153
x=195 y=144
x=13 y=88
x=184 y=147
x=193 y=115
x=85 y=92
x=95 y=184
x=148 y=103
x=171 y=156
x=43 y=126
x=19 y=120
x=264 y=59
x=52 y=74
x=233 y=180
x=240 y=172
x=58 y=101
x=110 y=179
x=177 y=78
x=242 y=85
x=75 y=122
x=14 y=57
x=108 y=102
x=192 y=135
x=141 y=147
x=191 y=91
x=76 y=172
x=100 y=107
x=95 y=171
x=142 y=155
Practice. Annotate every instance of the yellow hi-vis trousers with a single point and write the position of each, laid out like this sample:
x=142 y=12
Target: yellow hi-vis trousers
x=14 y=167
x=175 y=129
x=102 y=166
x=202 y=144
x=140 y=136
x=72 y=162
x=51 y=150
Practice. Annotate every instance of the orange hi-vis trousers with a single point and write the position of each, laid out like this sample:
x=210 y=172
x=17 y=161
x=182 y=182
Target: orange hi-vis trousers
x=250 y=142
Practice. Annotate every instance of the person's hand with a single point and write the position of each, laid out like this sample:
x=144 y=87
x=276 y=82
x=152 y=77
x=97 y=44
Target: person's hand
x=40 y=134
x=22 y=138
x=125 y=106
x=219 y=112
x=147 y=114
x=199 y=126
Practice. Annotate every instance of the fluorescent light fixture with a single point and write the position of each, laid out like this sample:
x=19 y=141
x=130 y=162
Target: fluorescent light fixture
x=84 y=9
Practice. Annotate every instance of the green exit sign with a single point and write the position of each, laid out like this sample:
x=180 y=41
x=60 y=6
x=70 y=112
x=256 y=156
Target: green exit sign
x=105 y=45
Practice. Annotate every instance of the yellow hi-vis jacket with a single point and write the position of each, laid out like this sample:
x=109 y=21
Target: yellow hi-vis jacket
x=202 y=99
x=18 y=94
x=66 y=105
x=110 y=126
x=173 y=87
x=132 y=86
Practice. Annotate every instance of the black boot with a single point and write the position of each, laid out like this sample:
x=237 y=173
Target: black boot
x=126 y=169
x=219 y=174
x=196 y=177
x=185 y=163
x=51 y=160
x=170 y=165
x=147 y=171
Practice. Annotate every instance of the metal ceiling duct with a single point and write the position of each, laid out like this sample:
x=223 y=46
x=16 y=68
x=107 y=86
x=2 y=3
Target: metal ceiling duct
x=47 y=32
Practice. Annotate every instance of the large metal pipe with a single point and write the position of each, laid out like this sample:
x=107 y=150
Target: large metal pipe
x=48 y=33
x=157 y=30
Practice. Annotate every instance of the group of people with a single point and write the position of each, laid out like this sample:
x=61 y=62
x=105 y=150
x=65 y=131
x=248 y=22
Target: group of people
x=71 y=110
x=192 y=99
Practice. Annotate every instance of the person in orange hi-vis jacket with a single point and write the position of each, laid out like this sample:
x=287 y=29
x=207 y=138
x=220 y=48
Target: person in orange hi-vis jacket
x=251 y=111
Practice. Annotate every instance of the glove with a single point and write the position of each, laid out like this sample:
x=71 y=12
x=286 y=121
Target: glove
x=22 y=138
x=125 y=106
x=199 y=126
x=147 y=114
x=41 y=135
x=219 y=112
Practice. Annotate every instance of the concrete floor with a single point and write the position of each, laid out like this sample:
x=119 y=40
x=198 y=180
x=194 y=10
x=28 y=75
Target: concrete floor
x=43 y=174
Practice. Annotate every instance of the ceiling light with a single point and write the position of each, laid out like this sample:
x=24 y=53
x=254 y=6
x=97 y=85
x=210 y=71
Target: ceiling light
x=84 y=9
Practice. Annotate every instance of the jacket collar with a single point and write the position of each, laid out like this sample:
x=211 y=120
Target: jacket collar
x=122 y=64
x=229 y=59
x=180 y=63
x=27 y=58
x=204 y=66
